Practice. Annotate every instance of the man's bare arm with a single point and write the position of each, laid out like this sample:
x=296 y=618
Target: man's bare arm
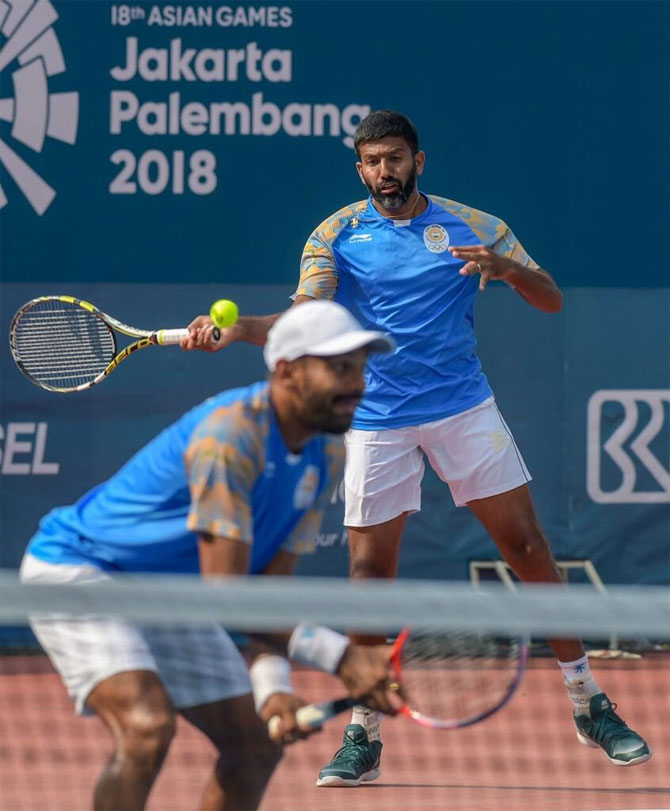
x=535 y=285
x=364 y=670
x=252 y=329
x=222 y=556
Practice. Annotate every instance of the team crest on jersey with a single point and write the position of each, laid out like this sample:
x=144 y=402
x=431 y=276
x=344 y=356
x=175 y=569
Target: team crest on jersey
x=436 y=238
x=305 y=491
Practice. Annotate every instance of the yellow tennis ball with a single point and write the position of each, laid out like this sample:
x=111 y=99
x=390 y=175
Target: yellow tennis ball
x=224 y=313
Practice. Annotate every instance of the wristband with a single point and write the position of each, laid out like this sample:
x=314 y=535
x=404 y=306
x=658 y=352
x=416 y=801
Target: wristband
x=269 y=674
x=317 y=646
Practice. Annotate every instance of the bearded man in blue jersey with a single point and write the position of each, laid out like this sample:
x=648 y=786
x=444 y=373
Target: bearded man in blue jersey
x=411 y=264
x=238 y=485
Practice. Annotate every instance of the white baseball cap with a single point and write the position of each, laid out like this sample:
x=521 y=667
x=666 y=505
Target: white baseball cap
x=321 y=328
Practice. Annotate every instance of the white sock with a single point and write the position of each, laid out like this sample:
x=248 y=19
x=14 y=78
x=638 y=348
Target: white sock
x=370 y=721
x=580 y=683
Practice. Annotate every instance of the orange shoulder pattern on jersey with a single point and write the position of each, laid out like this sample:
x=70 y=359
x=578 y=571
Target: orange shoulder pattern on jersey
x=492 y=231
x=318 y=271
x=224 y=458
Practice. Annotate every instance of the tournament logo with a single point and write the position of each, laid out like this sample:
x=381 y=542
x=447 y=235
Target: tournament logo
x=305 y=491
x=436 y=238
x=30 y=49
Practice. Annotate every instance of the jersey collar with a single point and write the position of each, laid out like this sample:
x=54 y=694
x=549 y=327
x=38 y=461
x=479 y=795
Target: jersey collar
x=372 y=212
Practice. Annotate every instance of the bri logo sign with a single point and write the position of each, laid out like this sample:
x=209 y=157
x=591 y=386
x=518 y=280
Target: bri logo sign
x=628 y=446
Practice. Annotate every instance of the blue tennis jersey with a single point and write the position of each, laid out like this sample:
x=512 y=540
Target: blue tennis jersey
x=397 y=276
x=222 y=469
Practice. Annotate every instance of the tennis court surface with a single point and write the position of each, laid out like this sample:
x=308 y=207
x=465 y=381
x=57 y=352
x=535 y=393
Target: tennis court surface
x=526 y=756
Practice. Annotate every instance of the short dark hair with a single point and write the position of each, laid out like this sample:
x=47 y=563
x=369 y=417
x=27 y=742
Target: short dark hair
x=385 y=123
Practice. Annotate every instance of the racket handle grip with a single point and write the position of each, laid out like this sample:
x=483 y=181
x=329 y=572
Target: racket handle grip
x=312 y=716
x=165 y=337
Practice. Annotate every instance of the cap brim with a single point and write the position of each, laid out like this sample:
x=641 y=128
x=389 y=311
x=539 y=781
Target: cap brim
x=375 y=342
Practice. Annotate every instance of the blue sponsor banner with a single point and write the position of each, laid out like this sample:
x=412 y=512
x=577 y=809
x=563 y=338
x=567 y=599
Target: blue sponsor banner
x=588 y=403
x=157 y=156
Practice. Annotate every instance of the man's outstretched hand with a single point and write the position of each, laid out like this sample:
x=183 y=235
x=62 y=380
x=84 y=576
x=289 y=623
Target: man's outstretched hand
x=200 y=335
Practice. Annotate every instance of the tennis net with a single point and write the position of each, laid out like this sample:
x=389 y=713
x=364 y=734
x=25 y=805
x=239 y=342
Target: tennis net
x=526 y=756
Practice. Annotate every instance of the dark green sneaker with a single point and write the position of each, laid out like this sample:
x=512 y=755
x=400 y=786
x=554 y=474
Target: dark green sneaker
x=355 y=763
x=603 y=728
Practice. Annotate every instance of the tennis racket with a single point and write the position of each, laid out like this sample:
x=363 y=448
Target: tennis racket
x=64 y=344
x=445 y=680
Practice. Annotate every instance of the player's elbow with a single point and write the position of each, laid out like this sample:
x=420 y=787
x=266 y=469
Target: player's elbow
x=549 y=298
x=551 y=301
x=555 y=303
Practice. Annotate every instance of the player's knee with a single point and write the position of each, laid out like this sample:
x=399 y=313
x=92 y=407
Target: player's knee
x=146 y=735
x=523 y=549
x=370 y=568
x=529 y=555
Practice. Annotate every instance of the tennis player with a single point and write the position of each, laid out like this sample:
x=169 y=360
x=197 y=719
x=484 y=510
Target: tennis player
x=239 y=484
x=411 y=264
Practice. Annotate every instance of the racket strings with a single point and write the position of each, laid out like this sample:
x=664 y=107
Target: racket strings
x=458 y=676
x=62 y=345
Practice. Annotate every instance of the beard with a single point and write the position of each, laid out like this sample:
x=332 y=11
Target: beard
x=332 y=424
x=318 y=414
x=393 y=201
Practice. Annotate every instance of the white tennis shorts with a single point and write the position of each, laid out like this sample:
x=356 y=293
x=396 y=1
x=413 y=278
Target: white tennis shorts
x=197 y=665
x=473 y=452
